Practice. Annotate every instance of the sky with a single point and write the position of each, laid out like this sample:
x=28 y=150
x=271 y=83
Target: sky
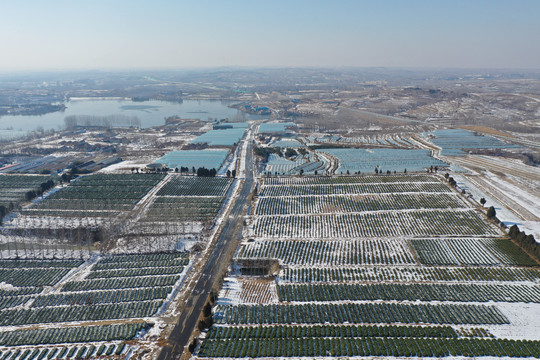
x=159 y=34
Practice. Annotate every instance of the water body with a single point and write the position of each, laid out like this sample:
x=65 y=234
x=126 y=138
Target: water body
x=151 y=113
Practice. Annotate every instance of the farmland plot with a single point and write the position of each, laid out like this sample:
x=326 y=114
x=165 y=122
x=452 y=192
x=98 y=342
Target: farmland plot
x=407 y=274
x=113 y=288
x=355 y=189
x=306 y=180
x=355 y=203
x=188 y=199
x=98 y=195
x=373 y=346
x=329 y=253
x=13 y=188
x=470 y=251
x=347 y=252
x=374 y=224
x=410 y=292
x=356 y=313
x=195 y=186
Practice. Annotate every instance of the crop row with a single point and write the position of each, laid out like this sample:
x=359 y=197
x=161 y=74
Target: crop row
x=358 y=313
x=317 y=180
x=355 y=189
x=355 y=347
x=105 y=193
x=32 y=277
x=142 y=258
x=61 y=335
x=102 y=297
x=379 y=224
x=195 y=186
x=321 y=331
x=12 y=301
x=320 y=252
x=20 y=291
x=133 y=272
x=39 y=264
x=77 y=352
x=22 y=181
x=85 y=204
x=184 y=208
x=121 y=179
x=398 y=274
x=410 y=292
x=58 y=215
x=79 y=313
x=355 y=203
x=125 y=265
x=121 y=283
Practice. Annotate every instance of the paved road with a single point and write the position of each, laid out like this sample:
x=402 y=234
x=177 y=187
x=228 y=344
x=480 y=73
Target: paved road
x=232 y=230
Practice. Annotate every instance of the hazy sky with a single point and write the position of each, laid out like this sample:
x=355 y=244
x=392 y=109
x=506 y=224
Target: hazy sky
x=96 y=34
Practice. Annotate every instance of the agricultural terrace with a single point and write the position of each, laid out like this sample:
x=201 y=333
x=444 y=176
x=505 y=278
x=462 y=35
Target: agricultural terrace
x=186 y=198
x=17 y=188
x=98 y=195
x=210 y=159
x=397 y=266
x=367 y=160
x=36 y=294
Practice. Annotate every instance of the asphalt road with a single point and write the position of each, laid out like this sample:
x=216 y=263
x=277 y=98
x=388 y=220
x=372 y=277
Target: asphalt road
x=232 y=230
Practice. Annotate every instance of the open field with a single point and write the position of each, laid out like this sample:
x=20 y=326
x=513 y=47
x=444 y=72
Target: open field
x=61 y=308
x=373 y=266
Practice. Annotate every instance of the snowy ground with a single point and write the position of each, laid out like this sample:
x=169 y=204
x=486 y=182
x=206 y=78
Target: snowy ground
x=505 y=213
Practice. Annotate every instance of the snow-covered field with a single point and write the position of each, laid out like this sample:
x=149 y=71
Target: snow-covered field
x=325 y=237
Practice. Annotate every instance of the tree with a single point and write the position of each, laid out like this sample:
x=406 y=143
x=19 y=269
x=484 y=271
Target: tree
x=483 y=201
x=3 y=212
x=491 y=213
x=290 y=152
x=228 y=173
x=376 y=171
x=207 y=310
x=405 y=171
x=446 y=176
x=513 y=231
x=233 y=173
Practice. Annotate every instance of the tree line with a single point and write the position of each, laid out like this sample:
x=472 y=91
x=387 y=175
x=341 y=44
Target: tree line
x=526 y=242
